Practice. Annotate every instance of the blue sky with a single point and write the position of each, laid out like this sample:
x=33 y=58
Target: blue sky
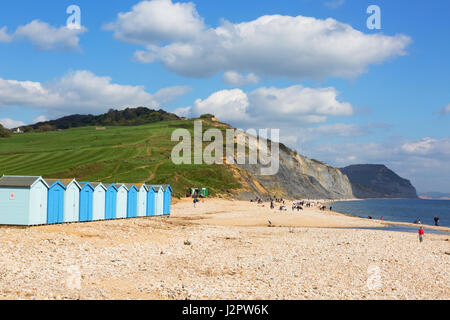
x=368 y=96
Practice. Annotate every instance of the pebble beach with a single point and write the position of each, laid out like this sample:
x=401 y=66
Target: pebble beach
x=223 y=249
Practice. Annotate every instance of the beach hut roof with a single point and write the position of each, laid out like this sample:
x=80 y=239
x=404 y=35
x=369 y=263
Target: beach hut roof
x=83 y=184
x=149 y=186
x=20 y=181
x=109 y=185
x=119 y=185
x=98 y=184
x=143 y=186
x=165 y=186
x=51 y=182
x=130 y=186
x=157 y=187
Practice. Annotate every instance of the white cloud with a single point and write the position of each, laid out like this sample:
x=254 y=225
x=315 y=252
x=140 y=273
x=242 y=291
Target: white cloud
x=82 y=91
x=424 y=161
x=41 y=118
x=234 y=78
x=47 y=37
x=144 y=56
x=273 y=107
x=445 y=110
x=4 y=36
x=157 y=21
x=427 y=146
x=226 y=105
x=297 y=47
x=10 y=123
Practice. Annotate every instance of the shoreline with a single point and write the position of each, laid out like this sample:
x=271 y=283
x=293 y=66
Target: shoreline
x=389 y=223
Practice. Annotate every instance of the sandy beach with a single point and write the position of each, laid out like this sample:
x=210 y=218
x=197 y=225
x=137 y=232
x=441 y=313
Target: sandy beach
x=223 y=249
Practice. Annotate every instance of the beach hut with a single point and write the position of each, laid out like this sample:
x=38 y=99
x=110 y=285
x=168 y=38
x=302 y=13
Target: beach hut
x=72 y=201
x=99 y=201
x=151 y=199
x=86 y=202
x=55 y=201
x=142 y=201
x=167 y=199
x=122 y=196
x=111 y=201
x=159 y=200
x=23 y=200
x=132 y=201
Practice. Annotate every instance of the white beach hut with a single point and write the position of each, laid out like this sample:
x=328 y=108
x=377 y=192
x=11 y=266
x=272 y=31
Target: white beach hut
x=122 y=195
x=72 y=201
x=99 y=201
x=159 y=200
x=142 y=201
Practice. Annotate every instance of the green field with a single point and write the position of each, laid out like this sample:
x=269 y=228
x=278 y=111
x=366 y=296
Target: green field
x=128 y=154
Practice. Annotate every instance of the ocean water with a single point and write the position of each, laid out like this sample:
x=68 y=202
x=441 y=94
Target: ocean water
x=401 y=210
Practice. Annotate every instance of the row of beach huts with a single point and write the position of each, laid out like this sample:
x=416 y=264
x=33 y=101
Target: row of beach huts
x=29 y=201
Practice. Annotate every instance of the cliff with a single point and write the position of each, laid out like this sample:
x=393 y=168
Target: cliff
x=377 y=181
x=298 y=178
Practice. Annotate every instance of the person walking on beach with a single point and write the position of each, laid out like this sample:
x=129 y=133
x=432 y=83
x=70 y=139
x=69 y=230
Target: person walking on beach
x=421 y=234
x=195 y=201
x=436 y=221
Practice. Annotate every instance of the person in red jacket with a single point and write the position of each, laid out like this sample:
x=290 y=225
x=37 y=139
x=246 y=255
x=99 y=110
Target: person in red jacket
x=421 y=234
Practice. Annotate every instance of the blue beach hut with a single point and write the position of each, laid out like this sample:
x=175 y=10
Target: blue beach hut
x=23 y=200
x=55 y=201
x=86 y=202
x=122 y=197
x=132 y=201
x=167 y=199
x=151 y=197
x=111 y=201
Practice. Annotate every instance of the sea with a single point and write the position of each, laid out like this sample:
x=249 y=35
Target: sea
x=399 y=210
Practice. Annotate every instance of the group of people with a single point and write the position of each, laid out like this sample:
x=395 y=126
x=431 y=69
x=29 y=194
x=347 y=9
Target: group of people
x=436 y=221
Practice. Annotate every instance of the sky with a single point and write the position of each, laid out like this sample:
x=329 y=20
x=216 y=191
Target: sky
x=337 y=90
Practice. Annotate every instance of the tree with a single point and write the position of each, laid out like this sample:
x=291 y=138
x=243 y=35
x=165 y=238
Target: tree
x=4 y=133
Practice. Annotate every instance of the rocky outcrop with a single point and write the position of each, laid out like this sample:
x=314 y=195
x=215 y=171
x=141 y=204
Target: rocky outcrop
x=378 y=181
x=299 y=178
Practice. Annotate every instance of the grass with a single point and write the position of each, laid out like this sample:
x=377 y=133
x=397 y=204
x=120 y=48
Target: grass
x=134 y=154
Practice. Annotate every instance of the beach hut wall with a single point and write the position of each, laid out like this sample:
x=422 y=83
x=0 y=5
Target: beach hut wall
x=151 y=201
x=72 y=201
x=111 y=201
x=86 y=202
x=159 y=200
x=55 y=201
x=132 y=201
x=167 y=199
x=122 y=196
x=99 y=201
x=142 y=201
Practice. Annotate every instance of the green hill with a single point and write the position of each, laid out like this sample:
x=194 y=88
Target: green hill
x=134 y=154
x=125 y=117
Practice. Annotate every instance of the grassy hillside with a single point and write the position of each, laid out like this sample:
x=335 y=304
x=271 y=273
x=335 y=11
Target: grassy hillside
x=133 y=154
